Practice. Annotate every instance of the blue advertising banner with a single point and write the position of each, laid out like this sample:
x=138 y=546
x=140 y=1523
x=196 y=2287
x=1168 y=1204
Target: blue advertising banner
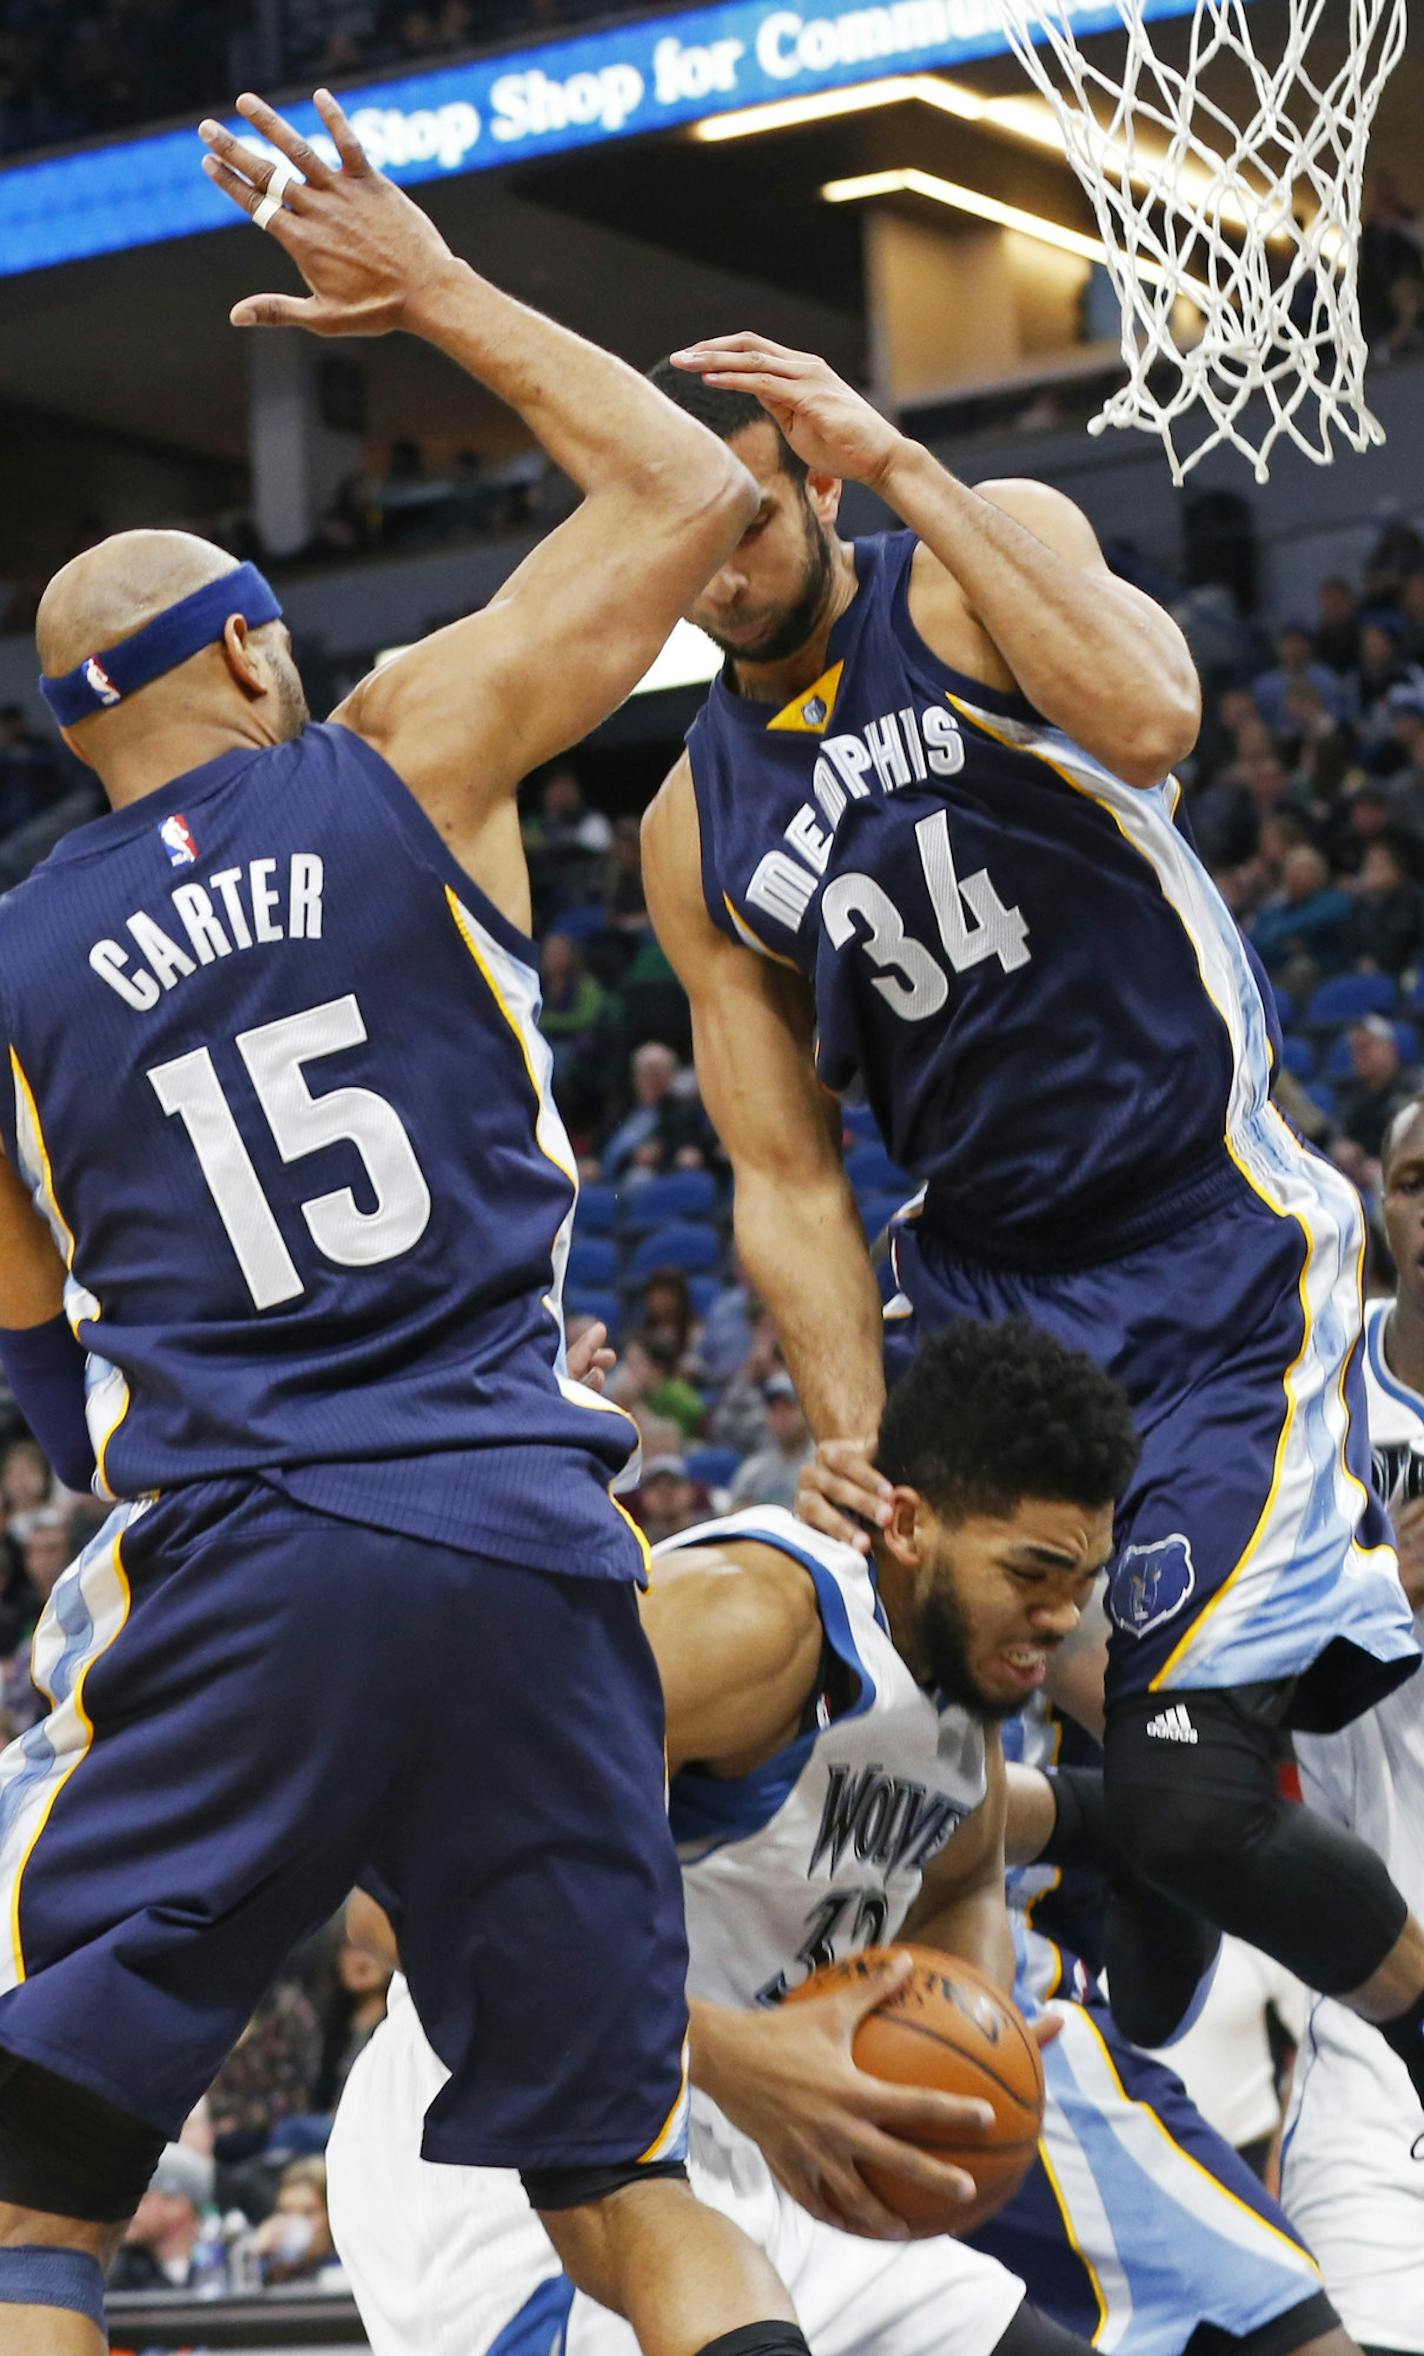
x=610 y=84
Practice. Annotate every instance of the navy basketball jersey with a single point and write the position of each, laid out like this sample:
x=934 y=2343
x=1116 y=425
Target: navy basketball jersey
x=1048 y=1004
x=277 y=1087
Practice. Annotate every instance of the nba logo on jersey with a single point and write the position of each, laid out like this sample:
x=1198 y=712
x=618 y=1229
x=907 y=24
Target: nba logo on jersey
x=1147 y=1584
x=176 y=836
x=100 y=681
x=814 y=712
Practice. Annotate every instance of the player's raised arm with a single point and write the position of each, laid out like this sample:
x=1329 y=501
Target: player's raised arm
x=1099 y=659
x=468 y=712
x=797 y=1226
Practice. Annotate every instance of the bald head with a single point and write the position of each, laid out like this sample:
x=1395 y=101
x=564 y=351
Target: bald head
x=113 y=589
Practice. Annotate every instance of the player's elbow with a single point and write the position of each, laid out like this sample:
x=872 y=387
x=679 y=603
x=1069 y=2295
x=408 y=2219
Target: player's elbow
x=1162 y=735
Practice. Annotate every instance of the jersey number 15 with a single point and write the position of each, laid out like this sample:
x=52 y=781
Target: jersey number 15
x=300 y=1123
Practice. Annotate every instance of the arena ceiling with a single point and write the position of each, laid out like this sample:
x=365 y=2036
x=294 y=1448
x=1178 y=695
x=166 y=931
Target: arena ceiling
x=642 y=244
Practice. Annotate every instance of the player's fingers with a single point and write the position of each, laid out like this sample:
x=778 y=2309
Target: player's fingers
x=850 y=2204
x=354 y=158
x=941 y=2177
x=248 y=199
x=818 y=1514
x=283 y=136
x=854 y=1496
x=1046 y=2029
x=276 y=310
x=872 y=1986
x=923 y=2114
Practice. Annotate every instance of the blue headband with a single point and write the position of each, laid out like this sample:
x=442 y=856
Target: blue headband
x=161 y=645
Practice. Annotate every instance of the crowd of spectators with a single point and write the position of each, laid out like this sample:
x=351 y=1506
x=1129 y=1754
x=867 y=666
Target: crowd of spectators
x=71 y=69
x=1306 y=797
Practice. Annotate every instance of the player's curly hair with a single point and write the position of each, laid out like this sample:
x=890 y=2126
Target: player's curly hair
x=990 y=1414
x=724 y=413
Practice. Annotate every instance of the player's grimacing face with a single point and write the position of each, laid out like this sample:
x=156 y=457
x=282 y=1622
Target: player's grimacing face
x=1404 y=1208
x=996 y=1595
x=765 y=601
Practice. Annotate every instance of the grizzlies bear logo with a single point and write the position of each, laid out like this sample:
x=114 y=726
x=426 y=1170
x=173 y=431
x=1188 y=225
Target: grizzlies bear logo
x=1149 y=1584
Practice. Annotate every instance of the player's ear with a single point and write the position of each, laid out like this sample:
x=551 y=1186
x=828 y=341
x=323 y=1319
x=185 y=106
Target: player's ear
x=823 y=491
x=76 y=747
x=243 y=659
x=901 y=1536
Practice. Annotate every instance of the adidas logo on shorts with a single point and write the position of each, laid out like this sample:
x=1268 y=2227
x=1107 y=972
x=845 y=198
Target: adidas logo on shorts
x=1173 y=1725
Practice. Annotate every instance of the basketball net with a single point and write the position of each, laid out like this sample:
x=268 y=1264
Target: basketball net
x=1241 y=195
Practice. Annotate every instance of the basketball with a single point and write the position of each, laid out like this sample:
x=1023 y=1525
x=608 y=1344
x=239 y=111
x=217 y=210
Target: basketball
x=951 y=2029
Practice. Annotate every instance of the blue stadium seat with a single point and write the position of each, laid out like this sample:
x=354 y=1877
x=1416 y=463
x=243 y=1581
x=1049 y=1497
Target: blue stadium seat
x=607 y=1306
x=593 y=1260
x=705 y=1292
x=1414 y=997
x=1286 y=1008
x=597 y=1207
x=871 y=1171
x=1337 y=1063
x=859 y=1122
x=716 y=1468
x=1298 y=1056
x=1322 y=1097
x=1407 y=1036
x=581 y=923
x=1348 y=996
x=696 y=1250
x=681 y=1194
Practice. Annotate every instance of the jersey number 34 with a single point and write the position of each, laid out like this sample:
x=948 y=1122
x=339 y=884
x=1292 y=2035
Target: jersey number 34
x=973 y=924
x=300 y=1123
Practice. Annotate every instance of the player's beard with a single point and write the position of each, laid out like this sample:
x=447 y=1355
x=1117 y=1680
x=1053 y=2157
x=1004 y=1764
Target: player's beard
x=944 y=1656
x=292 y=705
x=789 y=630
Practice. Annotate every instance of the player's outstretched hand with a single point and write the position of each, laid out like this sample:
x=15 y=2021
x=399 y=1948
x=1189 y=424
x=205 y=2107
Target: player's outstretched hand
x=832 y=427
x=840 y=1492
x=787 y=2079
x=363 y=248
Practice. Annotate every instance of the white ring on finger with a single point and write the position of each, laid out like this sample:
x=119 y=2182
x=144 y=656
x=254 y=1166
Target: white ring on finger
x=283 y=175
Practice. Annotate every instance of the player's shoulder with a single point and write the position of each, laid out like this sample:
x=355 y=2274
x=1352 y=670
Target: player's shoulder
x=765 y=1548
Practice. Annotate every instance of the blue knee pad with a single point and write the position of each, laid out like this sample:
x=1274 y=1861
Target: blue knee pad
x=37 y=2275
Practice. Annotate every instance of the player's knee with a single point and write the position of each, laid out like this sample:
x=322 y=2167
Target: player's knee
x=1188 y=1843
x=596 y=2218
x=65 y=2152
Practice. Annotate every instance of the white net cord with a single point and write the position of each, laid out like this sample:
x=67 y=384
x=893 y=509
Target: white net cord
x=1251 y=210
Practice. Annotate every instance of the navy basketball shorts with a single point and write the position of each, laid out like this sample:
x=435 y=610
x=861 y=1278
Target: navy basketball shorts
x=1250 y=1546
x=256 y=1708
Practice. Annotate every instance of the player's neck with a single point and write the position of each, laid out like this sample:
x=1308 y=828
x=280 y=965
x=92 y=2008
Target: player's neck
x=777 y=683
x=1403 y=1340
x=160 y=755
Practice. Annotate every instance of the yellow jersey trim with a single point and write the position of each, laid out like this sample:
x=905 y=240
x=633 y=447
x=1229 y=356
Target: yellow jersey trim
x=794 y=718
x=753 y=940
x=672 y=2124
x=1074 y=2244
x=66 y=1237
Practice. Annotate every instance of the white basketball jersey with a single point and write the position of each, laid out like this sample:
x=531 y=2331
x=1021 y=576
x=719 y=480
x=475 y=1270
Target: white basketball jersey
x=821 y=1851
x=1350 y=2182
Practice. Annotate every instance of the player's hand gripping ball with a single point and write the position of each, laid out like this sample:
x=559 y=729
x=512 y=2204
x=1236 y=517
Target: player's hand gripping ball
x=949 y=2028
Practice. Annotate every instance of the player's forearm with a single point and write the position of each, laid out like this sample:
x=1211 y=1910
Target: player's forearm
x=1032 y=1815
x=1104 y=664
x=804 y=1249
x=598 y=419
x=975 y=1927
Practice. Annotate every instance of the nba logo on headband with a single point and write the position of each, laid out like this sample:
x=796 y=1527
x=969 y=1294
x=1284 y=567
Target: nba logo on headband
x=100 y=681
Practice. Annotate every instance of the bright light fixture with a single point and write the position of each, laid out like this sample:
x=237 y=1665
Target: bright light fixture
x=912 y=182
x=689 y=659
x=1024 y=118
x=784 y=114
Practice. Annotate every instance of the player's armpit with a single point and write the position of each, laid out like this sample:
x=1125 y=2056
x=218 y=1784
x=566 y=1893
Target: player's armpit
x=796 y=1222
x=464 y=715
x=31 y=1270
x=738 y=1648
